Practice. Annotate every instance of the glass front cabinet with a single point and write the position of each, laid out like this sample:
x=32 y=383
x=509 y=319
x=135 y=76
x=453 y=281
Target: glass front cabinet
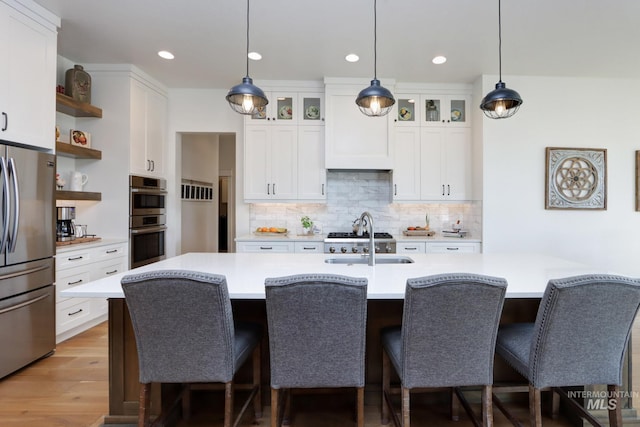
x=290 y=108
x=408 y=110
x=445 y=110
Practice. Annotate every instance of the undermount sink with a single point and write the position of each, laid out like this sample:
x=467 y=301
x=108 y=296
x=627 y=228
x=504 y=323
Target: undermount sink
x=365 y=260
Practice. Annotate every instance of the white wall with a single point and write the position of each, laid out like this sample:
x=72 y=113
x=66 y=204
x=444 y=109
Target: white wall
x=199 y=228
x=563 y=112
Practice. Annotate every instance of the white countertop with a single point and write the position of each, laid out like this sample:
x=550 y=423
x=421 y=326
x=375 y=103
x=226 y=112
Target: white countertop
x=88 y=245
x=320 y=238
x=527 y=274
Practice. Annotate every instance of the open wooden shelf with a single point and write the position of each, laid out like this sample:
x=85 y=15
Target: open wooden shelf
x=76 y=152
x=78 y=195
x=67 y=105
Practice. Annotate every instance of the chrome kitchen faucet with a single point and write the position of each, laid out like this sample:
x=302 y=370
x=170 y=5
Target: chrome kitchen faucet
x=372 y=246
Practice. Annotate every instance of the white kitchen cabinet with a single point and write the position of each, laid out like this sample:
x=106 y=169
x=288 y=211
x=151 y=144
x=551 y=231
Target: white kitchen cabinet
x=266 y=246
x=445 y=160
x=270 y=163
x=309 y=247
x=453 y=247
x=353 y=140
x=445 y=110
x=77 y=267
x=407 y=166
x=148 y=130
x=411 y=247
x=312 y=175
x=28 y=76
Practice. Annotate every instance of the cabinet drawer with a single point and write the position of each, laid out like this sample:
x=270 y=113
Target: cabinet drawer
x=441 y=248
x=109 y=252
x=73 y=259
x=71 y=277
x=309 y=247
x=265 y=247
x=71 y=313
x=411 y=248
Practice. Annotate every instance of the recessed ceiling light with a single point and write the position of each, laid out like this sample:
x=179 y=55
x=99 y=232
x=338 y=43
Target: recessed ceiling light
x=255 y=56
x=439 y=60
x=352 y=57
x=165 y=54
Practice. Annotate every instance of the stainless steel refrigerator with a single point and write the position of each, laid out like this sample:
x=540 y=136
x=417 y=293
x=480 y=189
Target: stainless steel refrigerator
x=27 y=247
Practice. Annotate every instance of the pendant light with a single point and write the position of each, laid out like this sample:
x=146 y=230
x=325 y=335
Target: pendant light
x=246 y=98
x=375 y=100
x=500 y=103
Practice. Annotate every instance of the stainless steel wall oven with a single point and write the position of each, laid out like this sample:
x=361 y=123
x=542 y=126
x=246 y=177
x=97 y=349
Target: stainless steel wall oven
x=147 y=224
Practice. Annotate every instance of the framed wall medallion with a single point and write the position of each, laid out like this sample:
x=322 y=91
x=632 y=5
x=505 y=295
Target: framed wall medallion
x=576 y=178
x=638 y=181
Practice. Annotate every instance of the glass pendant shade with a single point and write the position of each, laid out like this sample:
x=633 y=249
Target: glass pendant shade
x=501 y=103
x=246 y=98
x=375 y=100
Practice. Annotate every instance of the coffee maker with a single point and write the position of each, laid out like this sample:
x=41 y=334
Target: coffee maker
x=64 y=226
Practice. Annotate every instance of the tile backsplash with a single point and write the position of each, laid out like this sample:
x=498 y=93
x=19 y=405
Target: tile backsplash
x=349 y=193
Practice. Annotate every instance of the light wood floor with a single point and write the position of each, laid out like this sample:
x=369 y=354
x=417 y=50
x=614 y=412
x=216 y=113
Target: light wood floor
x=70 y=389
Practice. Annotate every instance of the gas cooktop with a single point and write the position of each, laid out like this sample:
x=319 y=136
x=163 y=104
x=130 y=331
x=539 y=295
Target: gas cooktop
x=346 y=235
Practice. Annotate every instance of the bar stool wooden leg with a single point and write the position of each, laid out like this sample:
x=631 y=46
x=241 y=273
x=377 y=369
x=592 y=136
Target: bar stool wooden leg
x=228 y=404
x=406 y=407
x=360 y=405
x=615 y=414
x=487 y=406
x=144 y=403
x=535 y=409
x=275 y=407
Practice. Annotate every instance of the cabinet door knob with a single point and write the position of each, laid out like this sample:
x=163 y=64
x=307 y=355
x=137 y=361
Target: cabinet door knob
x=274 y=188
x=443 y=189
x=6 y=121
x=395 y=189
x=268 y=192
x=323 y=189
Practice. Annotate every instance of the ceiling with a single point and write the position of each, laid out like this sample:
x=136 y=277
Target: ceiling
x=308 y=40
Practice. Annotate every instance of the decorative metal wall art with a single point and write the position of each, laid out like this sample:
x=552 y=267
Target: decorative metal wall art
x=638 y=181
x=576 y=178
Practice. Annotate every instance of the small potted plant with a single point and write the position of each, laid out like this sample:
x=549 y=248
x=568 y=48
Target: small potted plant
x=307 y=225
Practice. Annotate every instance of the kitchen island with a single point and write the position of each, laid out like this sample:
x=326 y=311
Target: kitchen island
x=526 y=274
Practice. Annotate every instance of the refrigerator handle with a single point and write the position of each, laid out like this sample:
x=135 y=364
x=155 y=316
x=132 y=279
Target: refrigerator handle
x=13 y=173
x=5 y=195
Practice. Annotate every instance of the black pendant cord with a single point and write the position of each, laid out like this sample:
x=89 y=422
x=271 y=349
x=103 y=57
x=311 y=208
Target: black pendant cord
x=375 y=40
x=247 y=38
x=499 y=40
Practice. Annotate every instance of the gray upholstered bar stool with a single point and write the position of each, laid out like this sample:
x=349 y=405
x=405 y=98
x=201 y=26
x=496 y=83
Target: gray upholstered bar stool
x=579 y=338
x=446 y=340
x=317 y=334
x=185 y=333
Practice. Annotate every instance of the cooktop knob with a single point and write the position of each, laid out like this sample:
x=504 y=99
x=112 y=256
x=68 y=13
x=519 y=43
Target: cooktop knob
x=343 y=250
x=365 y=250
x=332 y=249
x=354 y=250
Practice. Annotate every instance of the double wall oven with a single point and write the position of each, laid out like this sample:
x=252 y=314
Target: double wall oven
x=147 y=221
